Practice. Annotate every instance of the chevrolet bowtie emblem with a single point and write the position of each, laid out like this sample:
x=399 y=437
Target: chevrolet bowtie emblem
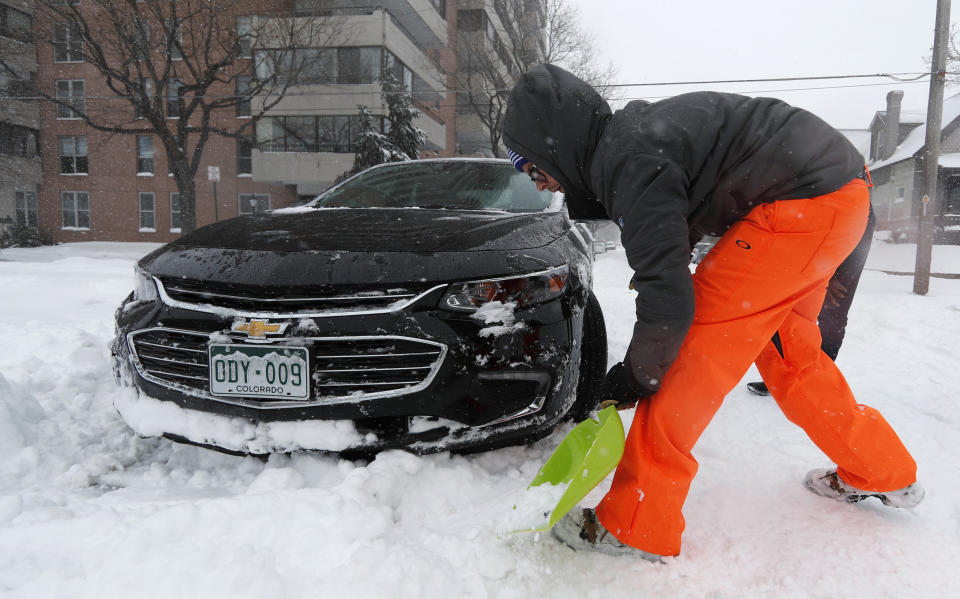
x=258 y=329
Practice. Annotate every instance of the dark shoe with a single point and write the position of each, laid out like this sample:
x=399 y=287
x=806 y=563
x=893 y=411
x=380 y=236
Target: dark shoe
x=758 y=388
x=581 y=531
x=828 y=484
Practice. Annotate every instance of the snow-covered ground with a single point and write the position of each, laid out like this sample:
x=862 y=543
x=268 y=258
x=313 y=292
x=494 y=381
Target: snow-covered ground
x=87 y=509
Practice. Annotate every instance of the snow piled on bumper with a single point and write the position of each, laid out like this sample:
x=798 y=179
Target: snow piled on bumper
x=152 y=418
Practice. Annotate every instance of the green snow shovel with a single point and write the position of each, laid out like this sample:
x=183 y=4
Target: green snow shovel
x=584 y=458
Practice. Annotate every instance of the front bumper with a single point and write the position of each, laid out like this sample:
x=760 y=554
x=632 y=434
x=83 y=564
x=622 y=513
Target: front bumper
x=478 y=390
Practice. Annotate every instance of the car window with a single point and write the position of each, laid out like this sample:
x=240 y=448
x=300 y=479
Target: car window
x=457 y=185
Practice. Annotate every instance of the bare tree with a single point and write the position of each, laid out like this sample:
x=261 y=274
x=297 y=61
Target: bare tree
x=953 y=56
x=493 y=55
x=174 y=69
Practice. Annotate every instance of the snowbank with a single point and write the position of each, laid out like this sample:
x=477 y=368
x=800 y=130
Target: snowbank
x=89 y=509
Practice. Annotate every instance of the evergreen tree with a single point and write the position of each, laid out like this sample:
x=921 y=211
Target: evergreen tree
x=373 y=147
x=403 y=141
x=403 y=134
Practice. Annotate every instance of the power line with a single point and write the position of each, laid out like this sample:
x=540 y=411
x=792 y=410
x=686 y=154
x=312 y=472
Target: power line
x=791 y=89
x=896 y=77
x=905 y=77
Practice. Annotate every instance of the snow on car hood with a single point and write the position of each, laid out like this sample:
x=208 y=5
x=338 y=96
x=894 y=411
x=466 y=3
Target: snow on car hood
x=373 y=247
x=380 y=230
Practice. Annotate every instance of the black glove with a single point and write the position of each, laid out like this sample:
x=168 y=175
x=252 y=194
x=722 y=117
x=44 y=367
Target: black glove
x=619 y=389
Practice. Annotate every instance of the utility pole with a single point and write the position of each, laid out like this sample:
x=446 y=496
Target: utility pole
x=931 y=156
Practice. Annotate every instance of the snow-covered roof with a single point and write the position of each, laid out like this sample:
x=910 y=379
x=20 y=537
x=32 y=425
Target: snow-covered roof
x=950 y=160
x=907 y=117
x=916 y=138
x=913 y=116
x=860 y=138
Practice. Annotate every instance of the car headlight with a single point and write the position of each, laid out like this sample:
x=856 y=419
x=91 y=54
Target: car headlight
x=524 y=291
x=144 y=287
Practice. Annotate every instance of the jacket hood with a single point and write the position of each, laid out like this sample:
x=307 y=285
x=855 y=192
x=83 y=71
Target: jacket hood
x=555 y=120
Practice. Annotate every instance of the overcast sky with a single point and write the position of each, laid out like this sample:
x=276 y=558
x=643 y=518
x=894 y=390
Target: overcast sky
x=749 y=39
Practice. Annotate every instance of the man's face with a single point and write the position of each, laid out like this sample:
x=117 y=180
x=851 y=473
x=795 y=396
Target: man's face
x=542 y=179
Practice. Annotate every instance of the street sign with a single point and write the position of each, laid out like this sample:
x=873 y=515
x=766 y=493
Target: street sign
x=213 y=173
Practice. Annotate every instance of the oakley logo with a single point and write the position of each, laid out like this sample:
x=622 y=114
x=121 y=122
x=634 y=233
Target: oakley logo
x=743 y=244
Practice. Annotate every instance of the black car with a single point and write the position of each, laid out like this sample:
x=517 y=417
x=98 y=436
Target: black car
x=427 y=305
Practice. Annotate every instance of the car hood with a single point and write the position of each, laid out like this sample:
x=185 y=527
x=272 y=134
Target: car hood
x=305 y=247
x=379 y=230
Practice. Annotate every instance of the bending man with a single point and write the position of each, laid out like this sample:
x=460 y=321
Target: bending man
x=785 y=193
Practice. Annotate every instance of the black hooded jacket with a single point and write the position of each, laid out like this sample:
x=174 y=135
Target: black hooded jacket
x=669 y=173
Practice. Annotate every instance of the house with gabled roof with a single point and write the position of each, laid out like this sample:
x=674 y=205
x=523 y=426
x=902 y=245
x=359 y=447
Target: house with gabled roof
x=896 y=161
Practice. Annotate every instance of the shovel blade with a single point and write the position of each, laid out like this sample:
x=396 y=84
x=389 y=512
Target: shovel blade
x=585 y=457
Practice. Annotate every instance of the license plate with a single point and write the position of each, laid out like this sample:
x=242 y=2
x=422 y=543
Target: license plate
x=278 y=372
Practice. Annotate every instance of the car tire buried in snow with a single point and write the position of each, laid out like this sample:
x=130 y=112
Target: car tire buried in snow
x=593 y=361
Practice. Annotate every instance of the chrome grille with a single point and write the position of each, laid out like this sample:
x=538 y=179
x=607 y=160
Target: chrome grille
x=342 y=368
x=173 y=356
x=371 y=365
x=264 y=299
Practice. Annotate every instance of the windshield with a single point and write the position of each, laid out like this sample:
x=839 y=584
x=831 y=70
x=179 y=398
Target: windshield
x=457 y=185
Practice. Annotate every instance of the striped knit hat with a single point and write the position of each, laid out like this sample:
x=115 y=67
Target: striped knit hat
x=517 y=160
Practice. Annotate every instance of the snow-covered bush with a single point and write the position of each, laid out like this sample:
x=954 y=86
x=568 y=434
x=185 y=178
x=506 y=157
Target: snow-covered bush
x=23 y=236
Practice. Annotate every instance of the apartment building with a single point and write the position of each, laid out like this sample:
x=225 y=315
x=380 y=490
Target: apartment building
x=494 y=38
x=20 y=169
x=100 y=185
x=308 y=139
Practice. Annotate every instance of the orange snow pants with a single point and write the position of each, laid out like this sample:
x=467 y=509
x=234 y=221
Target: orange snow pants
x=758 y=294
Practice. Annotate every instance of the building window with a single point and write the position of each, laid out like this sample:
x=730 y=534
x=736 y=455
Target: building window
x=297 y=66
x=71 y=93
x=245 y=155
x=15 y=24
x=244 y=38
x=252 y=203
x=174 y=212
x=300 y=133
x=146 y=100
x=26 y=208
x=401 y=73
x=174 y=99
x=75 y=206
x=243 y=96
x=73 y=155
x=470 y=20
x=309 y=65
x=345 y=66
x=144 y=155
x=15 y=84
x=67 y=43
x=900 y=196
x=148 y=214
x=174 y=39
x=358 y=65
x=17 y=141
x=312 y=134
x=142 y=45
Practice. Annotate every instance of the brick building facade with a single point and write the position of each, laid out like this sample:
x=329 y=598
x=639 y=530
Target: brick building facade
x=93 y=185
